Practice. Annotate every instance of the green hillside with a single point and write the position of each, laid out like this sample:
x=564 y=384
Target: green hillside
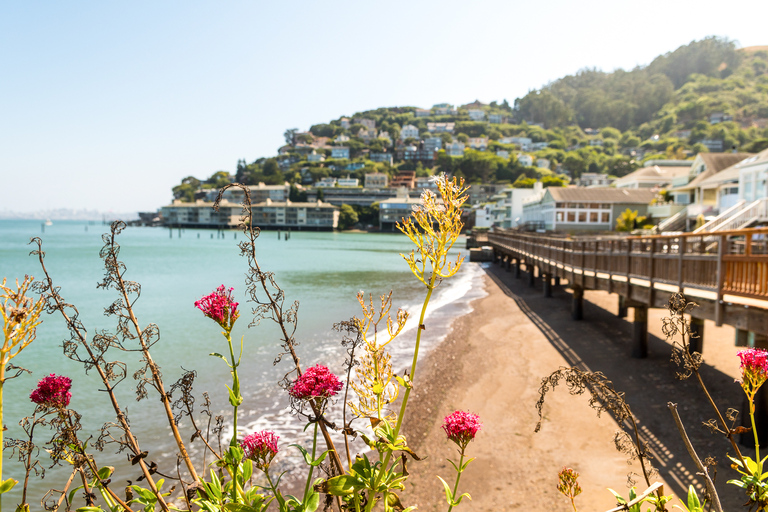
x=704 y=96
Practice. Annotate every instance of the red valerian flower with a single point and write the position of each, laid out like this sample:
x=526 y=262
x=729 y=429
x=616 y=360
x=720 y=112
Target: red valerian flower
x=461 y=427
x=52 y=391
x=260 y=447
x=754 y=368
x=220 y=306
x=316 y=382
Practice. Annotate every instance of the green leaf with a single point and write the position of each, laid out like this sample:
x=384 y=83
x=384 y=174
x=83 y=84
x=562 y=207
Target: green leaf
x=216 y=354
x=105 y=472
x=448 y=492
x=7 y=485
x=234 y=398
x=23 y=508
x=464 y=495
x=312 y=502
x=90 y=509
x=464 y=466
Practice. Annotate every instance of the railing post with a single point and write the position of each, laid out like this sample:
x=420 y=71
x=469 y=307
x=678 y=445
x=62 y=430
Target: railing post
x=720 y=277
x=681 y=250
x=610 y=266
x=651 y=273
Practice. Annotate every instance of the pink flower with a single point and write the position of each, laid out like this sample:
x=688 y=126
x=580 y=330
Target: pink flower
x=461 y=427
x=754 y=368
x=260 y=447
x=316 y=382
x=220 y=307
x=52 y=391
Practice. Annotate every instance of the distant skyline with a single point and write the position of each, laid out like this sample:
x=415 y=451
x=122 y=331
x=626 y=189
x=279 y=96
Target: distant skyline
x=106 y=106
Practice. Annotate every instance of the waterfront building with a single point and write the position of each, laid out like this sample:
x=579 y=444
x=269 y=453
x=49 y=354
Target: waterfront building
x=394 y=210
x=573 y=209
x=266 y=215
x=258 y=193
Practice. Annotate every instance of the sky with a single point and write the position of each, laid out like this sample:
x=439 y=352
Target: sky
x=108 y=105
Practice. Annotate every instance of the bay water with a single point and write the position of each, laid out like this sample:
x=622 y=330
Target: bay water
x=322 y=270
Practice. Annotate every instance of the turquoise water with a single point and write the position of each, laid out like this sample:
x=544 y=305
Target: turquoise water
x=324 y=271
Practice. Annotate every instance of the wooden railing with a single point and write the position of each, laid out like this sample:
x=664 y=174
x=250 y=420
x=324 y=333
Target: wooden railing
x=725 y=262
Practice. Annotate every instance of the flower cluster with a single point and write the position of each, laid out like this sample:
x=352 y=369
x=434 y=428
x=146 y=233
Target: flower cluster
x=316 y=382
x=461 y=427
x=568 y=486
x=220 y=307
x=52 y=391
x=260 y=447
x=754 y=369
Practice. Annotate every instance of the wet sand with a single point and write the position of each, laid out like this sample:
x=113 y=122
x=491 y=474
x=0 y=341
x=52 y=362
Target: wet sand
x=492 y=364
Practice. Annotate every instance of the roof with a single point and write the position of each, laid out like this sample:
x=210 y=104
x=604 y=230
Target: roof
x=655 y=172
x=731 y=174
x=718 y=161
x=601 y=195
x=714 y=162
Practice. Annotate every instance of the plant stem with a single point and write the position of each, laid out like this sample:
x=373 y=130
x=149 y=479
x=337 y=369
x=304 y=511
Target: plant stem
x=2 y=426
x=754 y=430
x=279 y=498
x=400 y=416
x=311 y=468
x=458 y=476
x=235 y=387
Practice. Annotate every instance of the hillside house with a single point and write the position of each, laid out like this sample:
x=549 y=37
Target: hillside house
x=409 y=132
x=340 y=152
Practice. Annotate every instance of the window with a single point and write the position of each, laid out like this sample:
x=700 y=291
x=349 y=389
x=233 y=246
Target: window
x=582 y=216
x=592 y=216
x=559 y=216
x=571 y=216
x=605 y=218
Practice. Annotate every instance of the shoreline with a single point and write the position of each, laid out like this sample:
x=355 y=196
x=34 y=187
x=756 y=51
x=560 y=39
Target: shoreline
x=492 y=362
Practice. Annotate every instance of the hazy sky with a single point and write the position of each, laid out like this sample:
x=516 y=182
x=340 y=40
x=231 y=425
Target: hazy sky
x=107 y=105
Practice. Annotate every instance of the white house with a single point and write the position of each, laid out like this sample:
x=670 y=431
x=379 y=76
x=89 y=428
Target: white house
x=348 y=182
x=409 y=132
x=422 y=112
x=314 y=156
x=753 y=177
x=502 y=153
x=525 y=160
x=656 y=174
x=479 y=143
x=476 y=114
x=455 y=149
x=340 y=152
x=433 y=144
x=441 y=127
x=376 y=180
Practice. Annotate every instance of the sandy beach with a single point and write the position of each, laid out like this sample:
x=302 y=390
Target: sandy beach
x=492 y=364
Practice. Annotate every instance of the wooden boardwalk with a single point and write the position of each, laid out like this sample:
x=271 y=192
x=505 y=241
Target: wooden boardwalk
x=726 y=273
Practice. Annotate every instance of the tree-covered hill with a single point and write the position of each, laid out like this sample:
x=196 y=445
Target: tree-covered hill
x=677 y=91
x=704 y=96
